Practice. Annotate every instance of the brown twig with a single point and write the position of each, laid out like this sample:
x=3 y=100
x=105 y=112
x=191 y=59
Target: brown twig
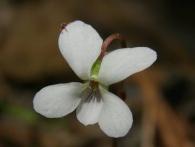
x=158 y=114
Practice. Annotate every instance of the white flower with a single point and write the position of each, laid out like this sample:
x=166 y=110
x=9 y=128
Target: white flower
x=80 y=45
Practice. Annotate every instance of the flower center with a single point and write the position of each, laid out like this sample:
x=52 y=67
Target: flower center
x=92 y=92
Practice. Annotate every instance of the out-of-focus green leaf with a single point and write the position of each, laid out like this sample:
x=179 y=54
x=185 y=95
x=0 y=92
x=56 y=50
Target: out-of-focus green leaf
x=22 y=113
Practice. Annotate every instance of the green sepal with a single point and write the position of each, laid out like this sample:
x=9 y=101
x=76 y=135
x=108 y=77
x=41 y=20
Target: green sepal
x=95 y=69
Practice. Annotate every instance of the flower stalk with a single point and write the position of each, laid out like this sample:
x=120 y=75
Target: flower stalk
x=107 y=42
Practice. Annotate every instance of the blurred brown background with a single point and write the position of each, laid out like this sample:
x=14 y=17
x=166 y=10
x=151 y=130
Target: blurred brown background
x=161 y=98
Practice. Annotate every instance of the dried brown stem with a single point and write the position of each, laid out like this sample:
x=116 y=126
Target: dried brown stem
x=159 y=115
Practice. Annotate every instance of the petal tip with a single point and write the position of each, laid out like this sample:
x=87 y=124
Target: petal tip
x=116 y=119
x=151 y=52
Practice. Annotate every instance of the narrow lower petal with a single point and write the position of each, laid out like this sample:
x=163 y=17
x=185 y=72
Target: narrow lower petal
x=88 y=111
x=57 y=100
x=80 y=45
x=116 y=118
x=121 y=63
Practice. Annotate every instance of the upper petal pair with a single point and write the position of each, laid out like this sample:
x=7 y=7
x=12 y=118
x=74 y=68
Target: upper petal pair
x=80 y=44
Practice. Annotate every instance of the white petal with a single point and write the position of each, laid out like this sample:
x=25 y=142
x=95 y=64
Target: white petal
x=121 y=63
x=57 y=100
x=80 y=44
x=88 y=111
x=115 y=119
